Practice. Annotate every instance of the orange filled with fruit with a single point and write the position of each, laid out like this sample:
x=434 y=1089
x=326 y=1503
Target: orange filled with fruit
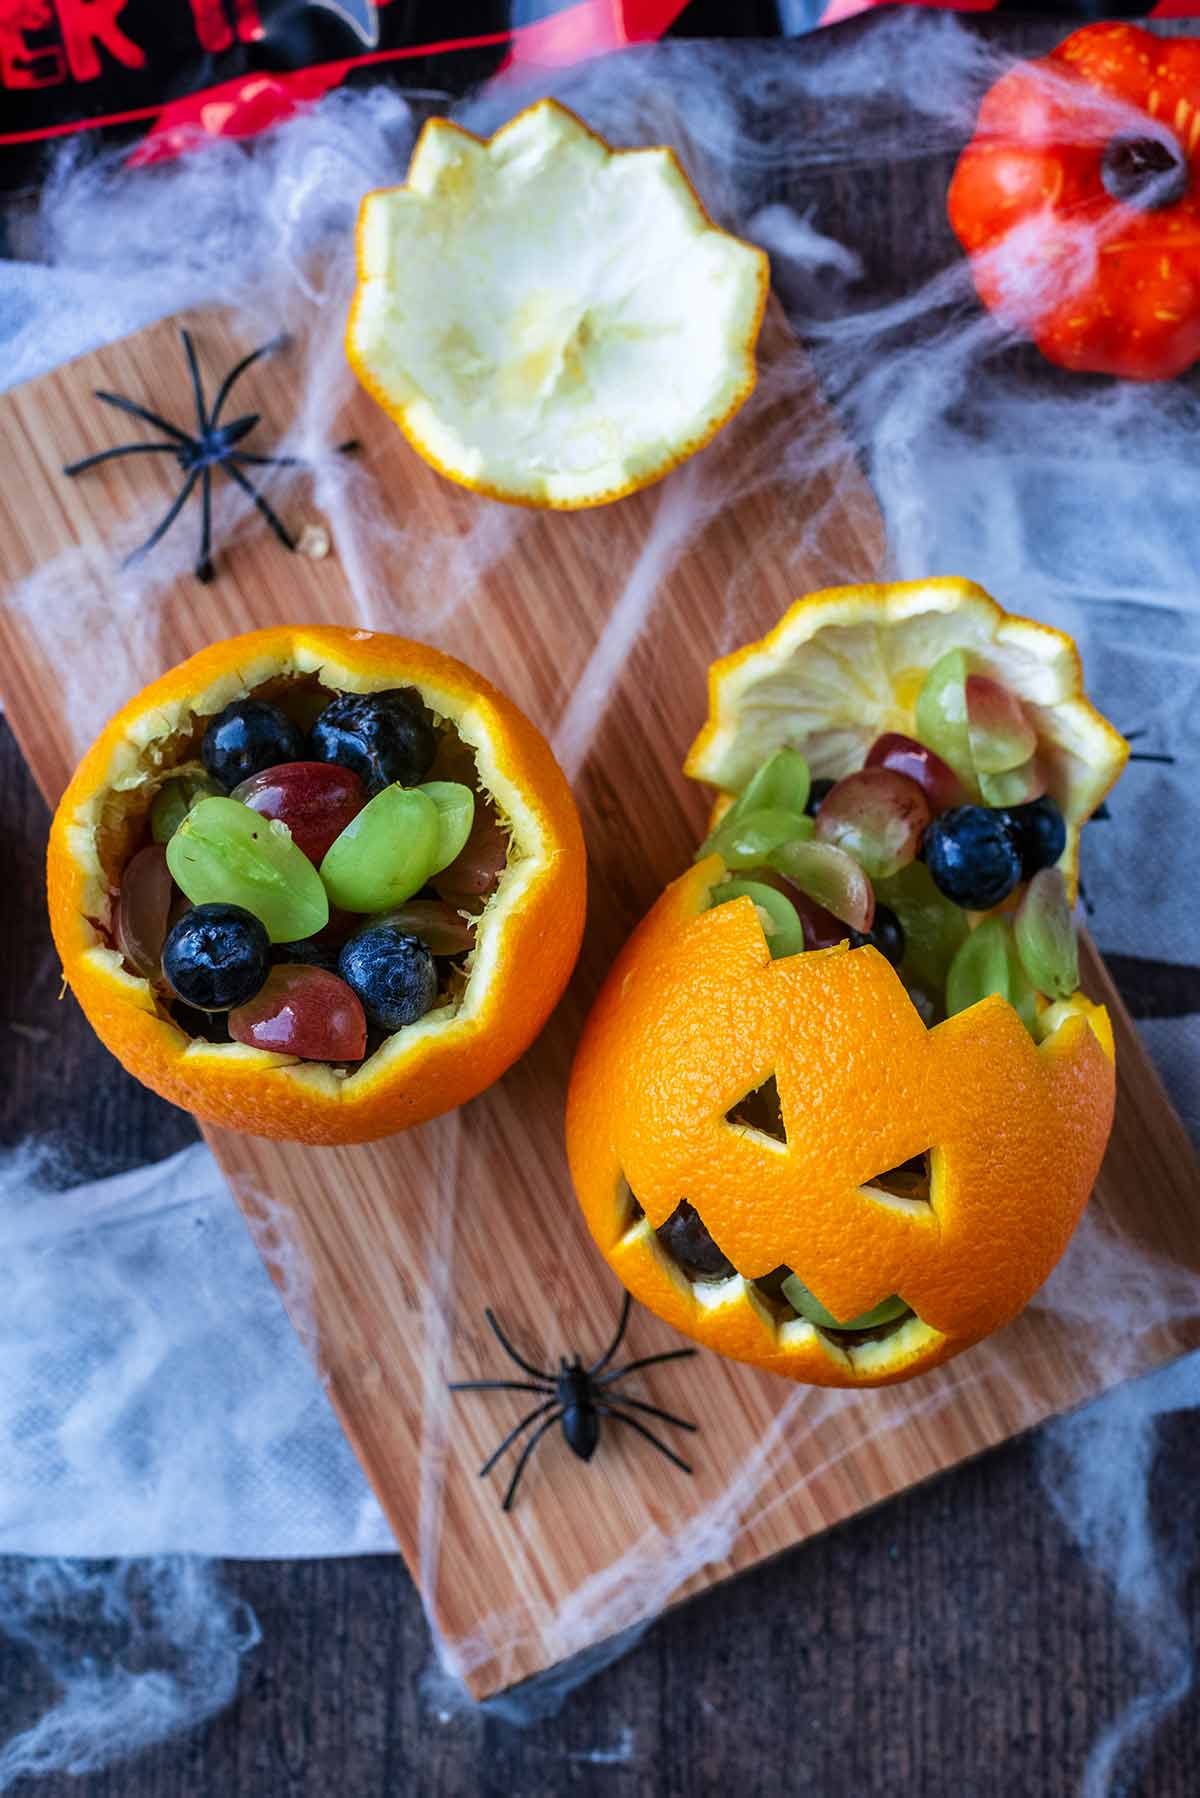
x=840 y=1103
x=298 y=883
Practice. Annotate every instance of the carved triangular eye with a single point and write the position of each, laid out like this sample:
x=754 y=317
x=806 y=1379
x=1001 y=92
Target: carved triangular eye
x=628 y=1207
x=760 y=1110
x=911 y=1180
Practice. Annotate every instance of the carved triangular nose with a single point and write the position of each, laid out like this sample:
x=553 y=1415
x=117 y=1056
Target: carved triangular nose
x=910 y=1181
x=760 y=1110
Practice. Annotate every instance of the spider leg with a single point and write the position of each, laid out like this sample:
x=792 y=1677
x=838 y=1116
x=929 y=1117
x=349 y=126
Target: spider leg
x=160 y=530
x=110 y=455
x=537 y=1372
x=204 y=567
x=197 y=383
x=622 y=1417
x=266 y=461
x=238 y=370
x=615 y=1344
x=150 y=418
x=618 y=1373
x=547 y=1423
x=639 y=1404
x=538 y=1411
x=339 y=449
x=269 y=513
x=497 y=1386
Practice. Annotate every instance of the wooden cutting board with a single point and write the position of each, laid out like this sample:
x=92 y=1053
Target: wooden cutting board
x=404 y=1242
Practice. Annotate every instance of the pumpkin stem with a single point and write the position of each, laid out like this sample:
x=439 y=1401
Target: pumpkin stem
x=1146 y=172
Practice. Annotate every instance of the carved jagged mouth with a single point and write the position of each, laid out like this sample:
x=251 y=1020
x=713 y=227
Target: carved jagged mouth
x=688 y=1243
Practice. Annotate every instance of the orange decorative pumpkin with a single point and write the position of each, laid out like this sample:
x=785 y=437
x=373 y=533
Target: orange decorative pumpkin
x=1077 y=202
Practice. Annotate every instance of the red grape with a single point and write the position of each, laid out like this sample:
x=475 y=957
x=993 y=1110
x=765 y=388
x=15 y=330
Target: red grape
x=475 y=872
x=143 y=910
x=904 y=755
x=821 y=929
x=439 y=927
x=830 y=877
x=303 y=1011
x=316 y=800
x=341 y=925
x=998 y=730
x=878 y=817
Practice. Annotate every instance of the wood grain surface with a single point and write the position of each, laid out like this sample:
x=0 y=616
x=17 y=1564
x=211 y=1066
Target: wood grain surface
x=476 y=1208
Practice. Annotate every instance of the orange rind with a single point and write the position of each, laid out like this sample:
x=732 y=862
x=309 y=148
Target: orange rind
x=549 y=320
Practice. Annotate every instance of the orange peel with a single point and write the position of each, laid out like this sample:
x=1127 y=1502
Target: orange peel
x=549 y=320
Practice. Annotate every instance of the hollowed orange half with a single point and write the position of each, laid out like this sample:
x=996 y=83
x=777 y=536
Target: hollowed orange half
x=526 y=942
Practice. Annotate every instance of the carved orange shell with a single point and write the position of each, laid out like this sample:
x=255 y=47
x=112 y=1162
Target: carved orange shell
x=695 y=1015
x=535 y=917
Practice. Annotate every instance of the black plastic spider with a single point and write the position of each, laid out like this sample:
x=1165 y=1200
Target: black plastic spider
x=213 y=446
x=576 y=1399
x=1102 y=814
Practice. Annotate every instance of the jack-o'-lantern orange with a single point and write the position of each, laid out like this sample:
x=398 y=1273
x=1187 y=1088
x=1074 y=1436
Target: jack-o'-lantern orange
x=825 y=1117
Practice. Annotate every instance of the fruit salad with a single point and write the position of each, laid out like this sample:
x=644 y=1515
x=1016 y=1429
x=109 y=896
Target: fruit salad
x=310 y=885
x=905 y=854
x=316 y=871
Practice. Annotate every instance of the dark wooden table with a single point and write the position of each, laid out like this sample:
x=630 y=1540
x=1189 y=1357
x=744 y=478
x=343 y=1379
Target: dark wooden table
x=954 y=1644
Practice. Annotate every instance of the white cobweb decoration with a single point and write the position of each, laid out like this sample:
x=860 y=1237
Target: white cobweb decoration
x=1070 y=500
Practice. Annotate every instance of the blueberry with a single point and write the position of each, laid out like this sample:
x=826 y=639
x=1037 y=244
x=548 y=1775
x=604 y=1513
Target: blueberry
x=309 y=953
x=816 y=793
x=209 y=1026
x=392 y=972
x=383 y=737
x=247 y=737
x=887 y=934
x=971 y=852
x=216 y=957
x=1041 y=834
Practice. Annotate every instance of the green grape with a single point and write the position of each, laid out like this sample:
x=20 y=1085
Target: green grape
x=941 y=714
x=1015 y=786
x=385 y=854
x=747 y=841
x=781 y=926
x=781 y=784
x=934 y=928
x=988 y=963
x=801 y=1299
x=174 y=801
x=456 y=814
x=224 y=852
x=1045 y=935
